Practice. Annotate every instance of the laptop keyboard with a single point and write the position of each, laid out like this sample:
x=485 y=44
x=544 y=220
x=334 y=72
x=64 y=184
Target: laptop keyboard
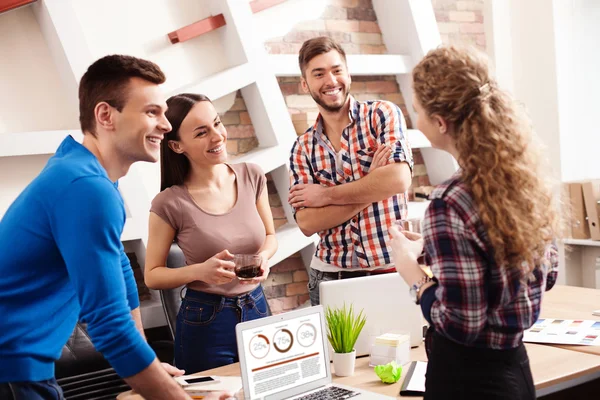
x=330 y=393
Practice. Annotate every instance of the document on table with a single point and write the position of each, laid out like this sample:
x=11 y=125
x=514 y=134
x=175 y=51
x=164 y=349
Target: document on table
x=564 y=331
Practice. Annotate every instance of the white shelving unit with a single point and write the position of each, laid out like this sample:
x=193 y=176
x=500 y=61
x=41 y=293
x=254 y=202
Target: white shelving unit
x=409 y=31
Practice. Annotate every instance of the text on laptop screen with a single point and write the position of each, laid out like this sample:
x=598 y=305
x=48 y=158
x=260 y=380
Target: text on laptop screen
x=284 y=355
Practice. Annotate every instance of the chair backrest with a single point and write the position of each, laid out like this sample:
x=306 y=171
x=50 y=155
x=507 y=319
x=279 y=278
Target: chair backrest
x=171 y=298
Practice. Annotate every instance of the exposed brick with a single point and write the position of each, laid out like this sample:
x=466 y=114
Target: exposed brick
x=419 y=170
x=300 y=36
x=276 y=305
x=395 y=98
x=341 y=25
x=296 y=288
x=373 y=49
x=245 y=118
x=362 y=14
x=424 y=181
x=310 y=25
x=351 y=48
x=365 y=96
x=340 y=37
x=301 y=276
x=418 y=156
x=441 y=16
x=238 y=105
x=344 y=3
x=358 y=87
x=471 y=28
x=333 y=12
x=478 y=16
x=282 y=48
x=245 y=145
x=382 y=87
x=300 y=101
x=289 y=264
x=365 y=3
x=369 y=27
x=290 y=302
x=276 y=278
x=289 y=88
x=230 y=118
x=300 y=127
x=469 y=5
x=240 y=131
x=271 y=187
x=232 y=147
x=366 y=38
x=274 y=291
x=480 y=40
x=461 y=16
x=447 y=27
x=274 y=200
x=285 y=79
x=279 y=223
x=278 y=212
x=303 y=298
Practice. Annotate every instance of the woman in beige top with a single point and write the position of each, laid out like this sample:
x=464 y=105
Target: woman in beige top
x=212 y=210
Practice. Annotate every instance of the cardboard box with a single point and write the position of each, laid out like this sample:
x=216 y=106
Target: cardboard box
x=578 y=217
x=591 y=198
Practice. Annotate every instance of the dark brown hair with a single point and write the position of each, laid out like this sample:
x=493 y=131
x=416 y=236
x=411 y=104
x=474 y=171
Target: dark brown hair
x=107 y=80
x=174 y=167
x=315 y=47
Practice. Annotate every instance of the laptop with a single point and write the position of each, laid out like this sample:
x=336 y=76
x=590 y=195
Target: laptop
x=285 y=357
x=386 y=302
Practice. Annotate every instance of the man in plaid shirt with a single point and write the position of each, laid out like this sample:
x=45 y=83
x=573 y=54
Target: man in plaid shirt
x=349 y=172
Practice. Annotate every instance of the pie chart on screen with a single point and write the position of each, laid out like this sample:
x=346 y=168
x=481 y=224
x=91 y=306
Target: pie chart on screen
x=259 y=346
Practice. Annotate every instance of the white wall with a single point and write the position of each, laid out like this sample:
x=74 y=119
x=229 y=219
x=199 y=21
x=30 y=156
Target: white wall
x=31 y=94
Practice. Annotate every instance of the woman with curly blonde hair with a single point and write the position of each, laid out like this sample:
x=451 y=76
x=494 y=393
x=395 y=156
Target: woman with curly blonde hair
x=487 y=234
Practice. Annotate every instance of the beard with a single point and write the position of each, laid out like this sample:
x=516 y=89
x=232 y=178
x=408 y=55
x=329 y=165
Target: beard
x=328 y=107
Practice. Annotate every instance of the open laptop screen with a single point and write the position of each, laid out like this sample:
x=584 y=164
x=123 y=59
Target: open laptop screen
x=284 y=355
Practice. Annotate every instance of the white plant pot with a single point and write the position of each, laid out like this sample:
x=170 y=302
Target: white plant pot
x=343 y=363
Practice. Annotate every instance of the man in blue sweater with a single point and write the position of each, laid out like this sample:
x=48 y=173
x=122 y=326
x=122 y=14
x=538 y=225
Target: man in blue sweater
x=61 y=258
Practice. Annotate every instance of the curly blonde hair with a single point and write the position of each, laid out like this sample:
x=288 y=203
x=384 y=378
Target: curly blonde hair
x=499 y=162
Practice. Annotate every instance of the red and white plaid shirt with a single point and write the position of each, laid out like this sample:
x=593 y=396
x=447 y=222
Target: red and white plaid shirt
x=361 y=242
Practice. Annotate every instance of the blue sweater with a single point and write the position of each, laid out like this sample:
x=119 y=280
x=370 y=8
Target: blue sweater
x=61 y=260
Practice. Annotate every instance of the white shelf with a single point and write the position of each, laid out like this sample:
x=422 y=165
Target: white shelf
x=358 y=64
x=34 y=143
x=582 y=242
x=131 y=231
x=417 y=140
x=222 y=83
x=268 y=158
x=290 y=240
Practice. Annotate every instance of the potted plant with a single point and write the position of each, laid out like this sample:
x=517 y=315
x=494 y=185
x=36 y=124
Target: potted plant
x=343 y=328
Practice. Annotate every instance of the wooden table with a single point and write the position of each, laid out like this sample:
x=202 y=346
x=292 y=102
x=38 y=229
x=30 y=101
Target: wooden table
x=553 y=367
x=570 y=302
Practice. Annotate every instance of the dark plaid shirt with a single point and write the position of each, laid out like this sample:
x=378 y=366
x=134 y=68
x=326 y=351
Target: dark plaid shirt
x=477 y=303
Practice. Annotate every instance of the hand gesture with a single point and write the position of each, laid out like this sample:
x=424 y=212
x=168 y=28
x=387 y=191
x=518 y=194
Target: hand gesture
x=381 y=157
x=308 y=195
x=219 y=269
x=171 y=370
x=406 y=248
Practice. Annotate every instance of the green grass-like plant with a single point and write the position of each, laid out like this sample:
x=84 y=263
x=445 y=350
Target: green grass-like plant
x=343 y=328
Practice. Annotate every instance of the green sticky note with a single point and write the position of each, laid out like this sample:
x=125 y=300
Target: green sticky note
x=389 y=373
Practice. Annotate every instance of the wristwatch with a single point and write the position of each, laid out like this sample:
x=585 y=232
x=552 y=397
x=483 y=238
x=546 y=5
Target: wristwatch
x=415 y=289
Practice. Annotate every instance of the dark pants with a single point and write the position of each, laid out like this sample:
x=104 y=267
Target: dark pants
x=42 y=390
x=458 y=372
x=205 y=330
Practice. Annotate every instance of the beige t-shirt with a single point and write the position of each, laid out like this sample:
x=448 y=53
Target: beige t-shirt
x=201 y=235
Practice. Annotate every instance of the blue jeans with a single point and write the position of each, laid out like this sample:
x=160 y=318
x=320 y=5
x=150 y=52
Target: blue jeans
x=41 y=390
x=205 y=329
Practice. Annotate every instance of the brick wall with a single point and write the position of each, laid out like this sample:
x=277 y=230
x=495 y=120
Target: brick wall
x=353 y=23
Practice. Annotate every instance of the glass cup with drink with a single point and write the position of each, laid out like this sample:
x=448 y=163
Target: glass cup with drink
x=414 y=225
x=247 y=266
